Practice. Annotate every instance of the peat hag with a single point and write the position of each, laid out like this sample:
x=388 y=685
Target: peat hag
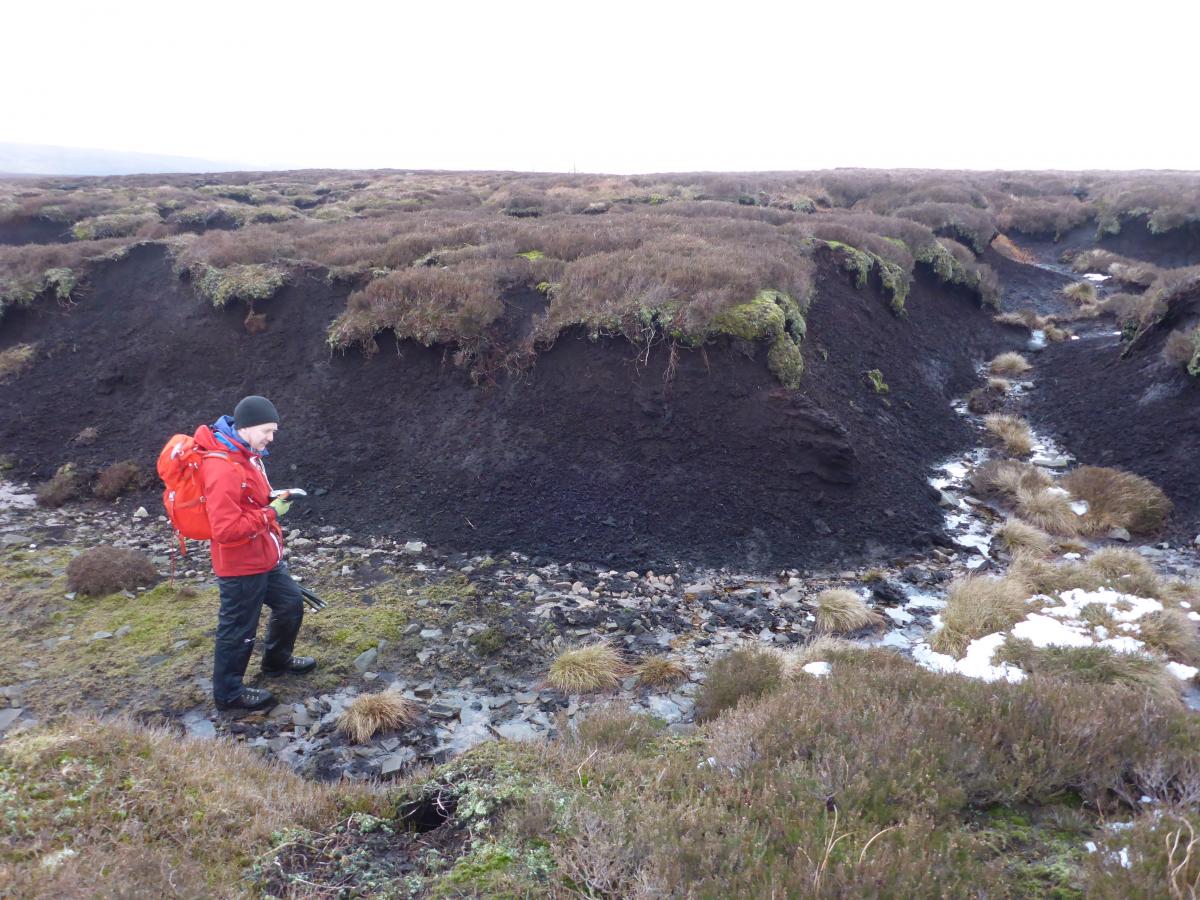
x=598 y=452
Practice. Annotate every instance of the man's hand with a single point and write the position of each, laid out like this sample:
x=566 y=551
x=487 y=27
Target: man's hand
x=281 y=505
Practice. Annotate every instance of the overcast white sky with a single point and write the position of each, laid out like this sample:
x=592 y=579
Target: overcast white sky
x=613 y=87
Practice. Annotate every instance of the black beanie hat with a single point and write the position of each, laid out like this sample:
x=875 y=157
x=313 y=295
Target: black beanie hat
x=254 y=410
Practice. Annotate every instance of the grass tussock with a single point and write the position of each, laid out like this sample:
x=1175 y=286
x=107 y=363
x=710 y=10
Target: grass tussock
x=16 y=360
x=660 y=672
x=1013 y=433
x=1181 y=349
x=1092 y=666
x=1017 y=536
x=1173 y=633
x=743 y=674
x=597 y=667
x=67 y=484
x=369 y=714
x=1007 y=477
x=978 y=606
x=1116 y=568
x=1048 y=509
x=1009 y=365
x=99 y=571
x=1081 y=293
x=1118 y=499
x=839 y=611
x=147 y=812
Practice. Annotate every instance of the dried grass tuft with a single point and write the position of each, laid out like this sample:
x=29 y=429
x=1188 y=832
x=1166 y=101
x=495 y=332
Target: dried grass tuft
x=1013 y=432
x=840 y=611
x=1118 y=499
x=1018 y=536
x=1048 y=509
x=660 y=671
x=1009 y=365
x=976 y=607
x=368 y=714
x=586 y=669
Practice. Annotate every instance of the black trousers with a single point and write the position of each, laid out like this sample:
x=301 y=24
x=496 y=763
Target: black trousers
x=242 y=599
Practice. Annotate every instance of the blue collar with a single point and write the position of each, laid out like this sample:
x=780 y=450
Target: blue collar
x=224 y=431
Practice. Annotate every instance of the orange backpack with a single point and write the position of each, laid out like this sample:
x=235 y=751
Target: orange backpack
x=179 y=468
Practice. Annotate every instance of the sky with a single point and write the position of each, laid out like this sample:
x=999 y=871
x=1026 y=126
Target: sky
x=621 y=87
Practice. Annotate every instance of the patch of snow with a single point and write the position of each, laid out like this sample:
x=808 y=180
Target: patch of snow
x=899 y=616
x=1123 y=645
x=977 y=663
x=1079 y=507
x=925 y=601
x=1096 y=277
x=820 y=669
x=1043 y=631
x=1182 y=672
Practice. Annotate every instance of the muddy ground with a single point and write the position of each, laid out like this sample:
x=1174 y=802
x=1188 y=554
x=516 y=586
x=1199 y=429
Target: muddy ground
x=595 y=454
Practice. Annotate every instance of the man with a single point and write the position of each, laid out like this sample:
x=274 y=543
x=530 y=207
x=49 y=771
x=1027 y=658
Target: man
x=247 y=554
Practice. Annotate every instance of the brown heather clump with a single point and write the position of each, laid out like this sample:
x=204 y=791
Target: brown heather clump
x=117 y=479
x=368 y=714
x=978 y=606
x=822 y=648
x=660 y=671
x=613 y=728
x=745 y=673
x=1013 y=432
x=841 y=611
x=1018 y=536
x=1048 y=509
x=1009 y=365
x=99 y=571
x=596 y=667
x=1118 y=499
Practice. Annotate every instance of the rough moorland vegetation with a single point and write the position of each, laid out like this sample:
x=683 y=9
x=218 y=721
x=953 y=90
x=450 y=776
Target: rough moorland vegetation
x=876 y=778
x=684 y=258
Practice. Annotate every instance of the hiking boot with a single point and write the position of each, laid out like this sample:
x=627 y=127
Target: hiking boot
x=249 y=698
x=295 y=666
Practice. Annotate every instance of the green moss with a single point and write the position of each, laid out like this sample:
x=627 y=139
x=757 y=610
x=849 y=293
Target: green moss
x=861 y=263
x=772 y=316
x=120 y=224
x=274 y=214
x=62 y=281
x=875 y=376
x=786 y=361
x=241 y=282
x=490 y=640
x=477 y=867
x=532 y=255
x=857 y=262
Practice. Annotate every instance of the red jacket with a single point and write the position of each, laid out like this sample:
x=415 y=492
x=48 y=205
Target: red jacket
x=247 y=539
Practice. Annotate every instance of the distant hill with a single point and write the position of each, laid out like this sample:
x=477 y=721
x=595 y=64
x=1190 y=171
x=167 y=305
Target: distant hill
x=47 y=159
